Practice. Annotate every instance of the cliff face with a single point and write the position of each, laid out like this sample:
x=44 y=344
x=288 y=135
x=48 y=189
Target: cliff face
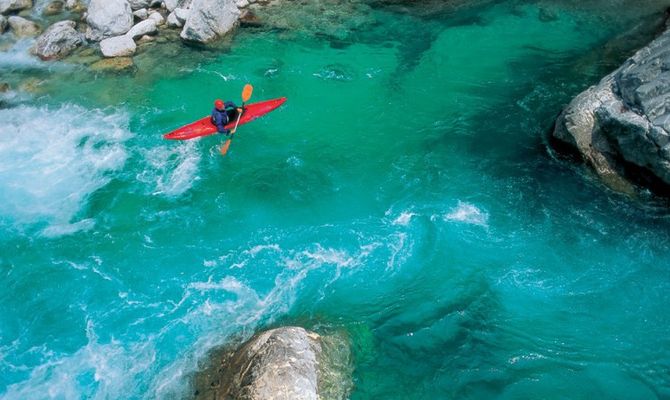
x=621 y=126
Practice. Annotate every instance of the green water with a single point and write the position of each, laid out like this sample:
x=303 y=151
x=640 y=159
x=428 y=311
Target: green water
x=404 y=195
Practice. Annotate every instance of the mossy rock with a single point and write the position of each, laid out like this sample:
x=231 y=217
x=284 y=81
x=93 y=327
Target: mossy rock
x=116 y=64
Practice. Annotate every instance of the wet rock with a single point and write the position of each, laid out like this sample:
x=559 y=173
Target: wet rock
x=7 y=6
x=181 y=14
x=241 y=3
x=107 y=18
x=59 y=40
x=4 y=87
x=3 y=24
x=117 y=64
x=53 y=8
x=142 y=13
x=146 y=39
x=290 y=360
x=210 y=19
x=145 y=27
x=75 y=6
x=118 y=46
x=621 y=127
x=248 y=19
x=22 y=27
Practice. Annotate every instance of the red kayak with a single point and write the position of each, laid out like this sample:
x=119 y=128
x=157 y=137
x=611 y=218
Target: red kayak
x=204 y=126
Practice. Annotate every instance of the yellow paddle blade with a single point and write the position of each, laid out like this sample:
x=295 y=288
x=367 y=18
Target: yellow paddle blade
x=246 y=92
x=225 y=147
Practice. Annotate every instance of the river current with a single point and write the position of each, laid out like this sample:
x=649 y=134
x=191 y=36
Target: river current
x=405 y=195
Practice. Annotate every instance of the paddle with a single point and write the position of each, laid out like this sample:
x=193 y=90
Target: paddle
x=246 y=95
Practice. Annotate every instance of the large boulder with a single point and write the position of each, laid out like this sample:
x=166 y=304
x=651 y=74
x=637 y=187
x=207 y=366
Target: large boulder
x=58 y=41
x=289 y=360
x=209 y=19
x=118 y=46
x=621 y=126
x=7 y=6
x=23 y=27
x=107 y=18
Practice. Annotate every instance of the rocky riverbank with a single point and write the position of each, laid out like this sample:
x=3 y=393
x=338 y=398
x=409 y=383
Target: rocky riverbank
x=118 y=28
x=621 y=126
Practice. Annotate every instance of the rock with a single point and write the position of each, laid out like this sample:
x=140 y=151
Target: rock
x=75 y=6
x=118 y=46
x=142 y=13
x=138 y=4
x=171 y=5
x=241 y=3
x=117 y=64
x=107 y=18
x=23 y=27
x=181 y=14
x=146 y=39
x=621 y=126
x=156 y=16
x=209 y=19
x=53 y=8
x=145 y=27
x=289 y=360
x=248 y=19
x=7 y=6
x=4 y=87
x=3 y=24
x=58 y=41
x=173 y=21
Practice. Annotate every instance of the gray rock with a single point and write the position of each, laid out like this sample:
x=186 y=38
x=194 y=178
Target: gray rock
x=138 y=4
x=7 y=6
x=3 y=24
x=146 y=27
x=118 y=46
x=625 y=119
x=58 y=41
x=181 y=14
x=173 y=21
x=210 y=19
x=156 y=16
x=241 y=3
x=22 y=27
x=142 y=13
x=289 y=361
x=107 y=18
x=172 y=4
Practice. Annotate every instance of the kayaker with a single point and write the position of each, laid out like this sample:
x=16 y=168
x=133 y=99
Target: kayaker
x=222 y=114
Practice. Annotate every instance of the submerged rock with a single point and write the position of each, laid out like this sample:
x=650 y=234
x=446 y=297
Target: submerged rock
x=3 y=24
x=107 y=18
x=7 y=6
x=118 y=46
x=23 y=27
x=58 y=41
x=53 y=8
x=209 y=19
x=289 y=361
x=621 y=126
x=117 y=64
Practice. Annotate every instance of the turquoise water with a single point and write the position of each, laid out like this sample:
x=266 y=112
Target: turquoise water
x=404 y=195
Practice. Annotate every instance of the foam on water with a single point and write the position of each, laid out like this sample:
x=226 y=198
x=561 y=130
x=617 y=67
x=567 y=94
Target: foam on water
x=172 y=169
x=53 y=158
x=469 y=214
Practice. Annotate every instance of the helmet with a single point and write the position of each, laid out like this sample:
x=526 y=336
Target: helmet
x=218 y=104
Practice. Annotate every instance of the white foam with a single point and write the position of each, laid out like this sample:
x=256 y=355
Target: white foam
x=172 y=168
x=469 y=214
x=404 y=218
x=52 y=159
